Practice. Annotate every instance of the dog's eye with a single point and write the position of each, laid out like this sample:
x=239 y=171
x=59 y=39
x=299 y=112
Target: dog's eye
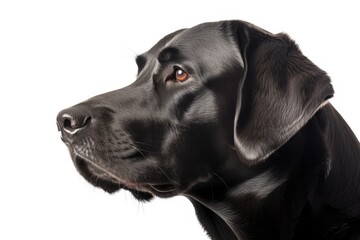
x=181 y=75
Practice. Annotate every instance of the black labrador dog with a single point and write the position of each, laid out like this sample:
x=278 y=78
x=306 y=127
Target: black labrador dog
x=237 y=120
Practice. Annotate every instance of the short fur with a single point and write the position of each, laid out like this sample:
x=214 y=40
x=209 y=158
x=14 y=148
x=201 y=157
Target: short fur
x=250 y=138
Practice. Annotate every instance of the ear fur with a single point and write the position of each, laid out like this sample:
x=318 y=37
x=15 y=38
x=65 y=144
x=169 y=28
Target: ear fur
x=279 y=92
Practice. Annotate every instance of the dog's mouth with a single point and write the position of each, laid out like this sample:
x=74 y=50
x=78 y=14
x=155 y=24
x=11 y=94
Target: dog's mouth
x=110 y=182
x=163 y=188
x=83 y=168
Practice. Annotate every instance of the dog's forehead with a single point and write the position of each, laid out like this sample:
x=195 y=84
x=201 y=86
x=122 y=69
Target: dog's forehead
x=206 y=33
x=206 y=37
x=211 y=44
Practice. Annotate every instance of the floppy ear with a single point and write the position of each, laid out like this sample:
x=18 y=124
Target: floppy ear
x=280 y=91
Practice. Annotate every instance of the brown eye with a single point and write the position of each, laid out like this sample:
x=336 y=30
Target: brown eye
x=181 y=75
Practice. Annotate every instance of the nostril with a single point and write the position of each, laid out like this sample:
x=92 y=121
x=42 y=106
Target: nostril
x=67 y=123
x=86 y=121
x=72 y=121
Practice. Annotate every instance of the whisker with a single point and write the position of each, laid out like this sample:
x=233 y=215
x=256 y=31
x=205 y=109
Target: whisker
x=143 y=143
x=137 y=149
x=157 y=165
x=222 y=180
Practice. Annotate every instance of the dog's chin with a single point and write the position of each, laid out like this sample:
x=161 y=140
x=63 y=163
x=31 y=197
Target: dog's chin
x=107 y=185
x=141 y=196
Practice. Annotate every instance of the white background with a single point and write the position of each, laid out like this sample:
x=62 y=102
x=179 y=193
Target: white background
x=54 y=54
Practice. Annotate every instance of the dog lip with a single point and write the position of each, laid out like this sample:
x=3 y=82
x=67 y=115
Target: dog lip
x=108 y=176
x=163 y=188
x=155 y=188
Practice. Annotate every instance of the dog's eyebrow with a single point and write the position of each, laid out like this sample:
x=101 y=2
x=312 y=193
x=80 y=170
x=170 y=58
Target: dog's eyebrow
x=141 y=62
x=168 y=54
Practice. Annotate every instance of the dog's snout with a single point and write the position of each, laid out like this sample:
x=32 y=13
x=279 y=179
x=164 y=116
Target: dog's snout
x=73 y=119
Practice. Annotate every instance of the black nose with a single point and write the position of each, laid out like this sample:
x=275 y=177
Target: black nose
x=73 y=119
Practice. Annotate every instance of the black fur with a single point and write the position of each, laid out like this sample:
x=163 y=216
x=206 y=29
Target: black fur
x=249 y=138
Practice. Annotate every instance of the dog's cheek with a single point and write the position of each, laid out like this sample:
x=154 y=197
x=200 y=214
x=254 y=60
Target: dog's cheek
x=195 y=154
x=147 y=134
x=202 y=110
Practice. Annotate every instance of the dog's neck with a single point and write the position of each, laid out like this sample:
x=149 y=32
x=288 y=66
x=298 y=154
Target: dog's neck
x=229 y=214
x=242 y=202
x=227 y=206
x=291 y=193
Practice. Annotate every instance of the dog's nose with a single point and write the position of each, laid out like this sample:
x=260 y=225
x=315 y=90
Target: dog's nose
x=73 y=119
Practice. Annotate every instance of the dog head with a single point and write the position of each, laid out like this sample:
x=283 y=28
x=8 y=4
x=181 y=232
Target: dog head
x=202 y=95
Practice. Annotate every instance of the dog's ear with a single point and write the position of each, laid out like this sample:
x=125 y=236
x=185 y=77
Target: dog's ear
x=279 y=92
